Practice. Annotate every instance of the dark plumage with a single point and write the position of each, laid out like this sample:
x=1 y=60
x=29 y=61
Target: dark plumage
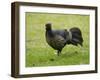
x=57 y=39
x=76 y=36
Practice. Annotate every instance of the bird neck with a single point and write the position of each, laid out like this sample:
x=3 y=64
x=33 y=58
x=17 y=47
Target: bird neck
x=50 y=33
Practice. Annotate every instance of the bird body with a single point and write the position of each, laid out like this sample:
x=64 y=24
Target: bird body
x=57 y=39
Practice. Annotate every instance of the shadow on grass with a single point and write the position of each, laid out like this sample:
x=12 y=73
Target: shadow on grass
x=65 y=55
x=69 y=54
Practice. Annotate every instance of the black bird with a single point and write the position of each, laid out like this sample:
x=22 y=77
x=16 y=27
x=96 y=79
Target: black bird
x=57 y=39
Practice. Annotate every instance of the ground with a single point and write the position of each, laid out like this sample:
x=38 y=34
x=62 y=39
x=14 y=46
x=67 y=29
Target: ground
x=39 y=53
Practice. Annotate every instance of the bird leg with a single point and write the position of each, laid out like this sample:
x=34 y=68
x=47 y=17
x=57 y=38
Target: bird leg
x=58 y=52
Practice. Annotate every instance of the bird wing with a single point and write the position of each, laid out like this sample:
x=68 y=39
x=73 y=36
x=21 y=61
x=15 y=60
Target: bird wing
x=60 y=32
x=58 y=42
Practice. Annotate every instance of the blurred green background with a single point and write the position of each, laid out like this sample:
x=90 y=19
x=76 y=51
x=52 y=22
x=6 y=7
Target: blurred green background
x=39 y=53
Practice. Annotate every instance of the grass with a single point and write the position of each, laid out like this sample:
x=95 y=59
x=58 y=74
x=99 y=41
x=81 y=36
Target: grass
x=39 y=53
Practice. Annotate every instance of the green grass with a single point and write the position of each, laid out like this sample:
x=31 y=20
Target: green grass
x=39 y=53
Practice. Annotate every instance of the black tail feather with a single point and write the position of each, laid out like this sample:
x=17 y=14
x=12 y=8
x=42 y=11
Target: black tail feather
x=76 y=36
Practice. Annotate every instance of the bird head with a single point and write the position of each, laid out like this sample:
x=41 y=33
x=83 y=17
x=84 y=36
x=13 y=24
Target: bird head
x=48 y=26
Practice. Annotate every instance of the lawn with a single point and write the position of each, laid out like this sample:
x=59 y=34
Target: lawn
x=39 y=53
